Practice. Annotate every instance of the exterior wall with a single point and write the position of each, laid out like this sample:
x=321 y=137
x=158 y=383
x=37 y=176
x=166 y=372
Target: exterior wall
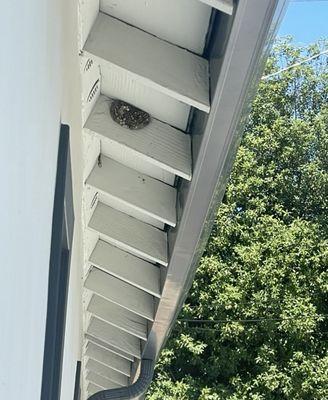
x=39 y=89
x=71 y=114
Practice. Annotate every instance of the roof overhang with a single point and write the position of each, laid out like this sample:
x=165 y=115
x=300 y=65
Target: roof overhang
x=241 y=64
x=235 y=55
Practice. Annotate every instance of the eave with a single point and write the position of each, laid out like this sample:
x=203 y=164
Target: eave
x=151 y=208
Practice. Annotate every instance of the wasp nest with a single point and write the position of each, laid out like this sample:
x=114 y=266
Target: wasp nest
x=128 y=116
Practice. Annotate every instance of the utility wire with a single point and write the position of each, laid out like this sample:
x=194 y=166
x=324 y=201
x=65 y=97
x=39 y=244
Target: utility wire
x=218 y=321
x=198 y=328
x=294 y=65
x=187 y=321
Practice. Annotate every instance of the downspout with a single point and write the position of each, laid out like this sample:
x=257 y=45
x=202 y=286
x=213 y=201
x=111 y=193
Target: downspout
x=133 y=391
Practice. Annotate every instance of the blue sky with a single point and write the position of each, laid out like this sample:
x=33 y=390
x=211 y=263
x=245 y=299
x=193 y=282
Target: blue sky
x=307 y=21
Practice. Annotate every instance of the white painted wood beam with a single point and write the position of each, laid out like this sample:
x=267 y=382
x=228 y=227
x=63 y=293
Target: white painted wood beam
x=118 y=316
x=226 y=6
x=129 y=234
x=182 y=22
x=115 y=337
x=130 y=191
x=92 y=389
x=169 y=69
x=109 y=347
x=113 y=376
x=125 y=266
x=121 y=293
x=101 y=381
x=117 y=83
x=108 y=358
x=158 y=144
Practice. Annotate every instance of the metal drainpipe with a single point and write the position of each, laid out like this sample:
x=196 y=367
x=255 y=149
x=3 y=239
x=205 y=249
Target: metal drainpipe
x=133 y=391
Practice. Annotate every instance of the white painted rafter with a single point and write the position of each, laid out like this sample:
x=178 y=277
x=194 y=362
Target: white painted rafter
x=121 y=293
x=188 y=19
x=169 y=69
x=109 y=359
x=158 y=144
x=125 y=188
x=93 y=388
x=129 y=234
x=109 y=347
x=101 y=381
x=226 y=6
x=109 y=374
x=117 y=83
x=115 y=337
x=119 y=317
x=125 y=266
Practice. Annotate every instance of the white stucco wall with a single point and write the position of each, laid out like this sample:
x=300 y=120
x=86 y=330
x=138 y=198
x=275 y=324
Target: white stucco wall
x=39 y=87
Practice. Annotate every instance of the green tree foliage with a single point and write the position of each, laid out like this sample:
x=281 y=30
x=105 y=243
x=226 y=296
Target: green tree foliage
x=263 y=280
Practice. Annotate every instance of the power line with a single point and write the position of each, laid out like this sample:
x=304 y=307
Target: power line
x=218 y=321
x=188 y=321
x=294 y=65
x=198 y=328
